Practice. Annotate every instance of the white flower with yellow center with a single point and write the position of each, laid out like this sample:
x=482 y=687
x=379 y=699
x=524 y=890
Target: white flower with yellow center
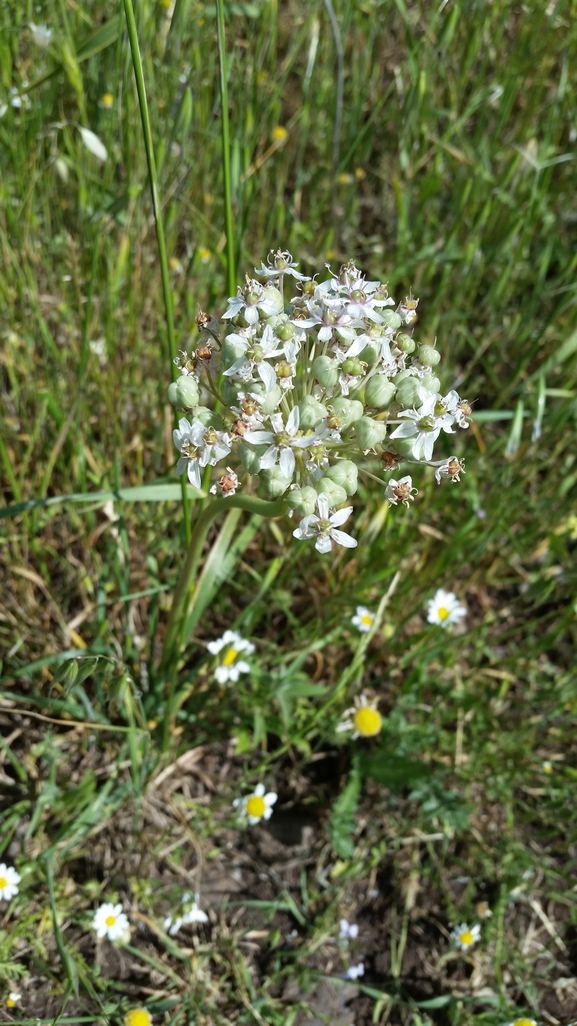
x=363 y=718
x=445 y=609
x=189 y=913
x=363 y=619
x=9 y=880
x=465 y=936
x=231 y=645
x=111 y=922
x=256 y=806
x=13 y=999
x=522 y=1022
x=324 y=527
x=547 y=768
x=138 y=1017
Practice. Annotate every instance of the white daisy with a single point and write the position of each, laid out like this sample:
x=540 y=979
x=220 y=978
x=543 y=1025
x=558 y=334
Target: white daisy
x=324 y=527
x=111 y=922
x=348 y=931
x=363 y=619
x=522 y=1022
x=256 y=806
x=465 y=936
x=445 y=609
x=363 y=718
x=9 y=880
x=189 y=913
x=230 y=666
x=13 y=998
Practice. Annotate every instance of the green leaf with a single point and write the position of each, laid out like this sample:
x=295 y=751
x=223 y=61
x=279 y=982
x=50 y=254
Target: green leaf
x=342 y=822
x=439 y=1002
x=394 y=771
x=140 y=493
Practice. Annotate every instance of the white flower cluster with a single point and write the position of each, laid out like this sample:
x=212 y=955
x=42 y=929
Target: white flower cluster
x=308 y=390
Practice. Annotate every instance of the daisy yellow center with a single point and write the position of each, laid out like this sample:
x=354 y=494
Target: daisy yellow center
x=255 y=806
x=10 y=1002
x=466 y=937
x=367 y=619
x=230 y=657
x=367 y=721
x=547 y=768
x=523 y=1022
x=110 y=920
x=442 y=612
x=3 y=883
x=138 y=1017
x=107 y=100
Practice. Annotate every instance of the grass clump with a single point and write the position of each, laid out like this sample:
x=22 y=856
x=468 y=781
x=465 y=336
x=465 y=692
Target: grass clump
x=451 y=174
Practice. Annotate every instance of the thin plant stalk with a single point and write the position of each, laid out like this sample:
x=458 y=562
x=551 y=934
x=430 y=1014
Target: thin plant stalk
x=183 y=600
x=223 y=76
x=157 y=210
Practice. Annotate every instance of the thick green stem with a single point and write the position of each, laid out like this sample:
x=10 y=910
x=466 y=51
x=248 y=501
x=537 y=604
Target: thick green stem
x=157 y=210
x=181 y=602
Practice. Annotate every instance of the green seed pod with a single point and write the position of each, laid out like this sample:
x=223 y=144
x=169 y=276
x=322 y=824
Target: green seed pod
x=402 y=376
x=334 y=493
x=230 y=354
x=353 y=366
x=229 y=391
x=311 y=412
x=344 y=473
x=370 y=355
x=348 y=410
x=379 y=391
x=302 y=500
x=270 y=399
x=404 y=446
x=184 y=393
x=326 y=371
x=274 y=484
x=391 y=319
x=274 y=298
x=406 y=343
x=429 y=356
x=250 y=457
x=408 y=393
x=369 y=432
x=208 y=418
x=431 y=382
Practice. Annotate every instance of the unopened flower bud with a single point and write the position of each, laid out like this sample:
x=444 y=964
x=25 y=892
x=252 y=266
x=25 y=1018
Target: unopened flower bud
x=183 y=393
x=348 y=410
x=344 y=473
x=334 y=493
x=302 y=500
x=405 y=343
x=311 y=412
x=379 y=391
x=429 y=356
x=325 y=371
x=369 y=432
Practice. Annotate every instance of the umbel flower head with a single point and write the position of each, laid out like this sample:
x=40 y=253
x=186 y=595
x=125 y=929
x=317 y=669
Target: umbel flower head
x=9 y=880
x=310 y=389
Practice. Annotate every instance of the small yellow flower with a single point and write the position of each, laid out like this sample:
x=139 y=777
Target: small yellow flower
x=279 y=133
x=330 y=254
x=138 y=1017
x=344 y=179
x=359 y=173
x=175 y=265
x=364 y=719
x=107 y=101
x=204 y=254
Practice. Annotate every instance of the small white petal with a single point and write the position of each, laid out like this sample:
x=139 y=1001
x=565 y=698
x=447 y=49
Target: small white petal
x=93 y=143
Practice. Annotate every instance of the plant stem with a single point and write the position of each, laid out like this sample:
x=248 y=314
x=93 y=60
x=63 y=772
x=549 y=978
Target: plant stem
x=157 y=210
x=168 y=666
x=223 y=71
